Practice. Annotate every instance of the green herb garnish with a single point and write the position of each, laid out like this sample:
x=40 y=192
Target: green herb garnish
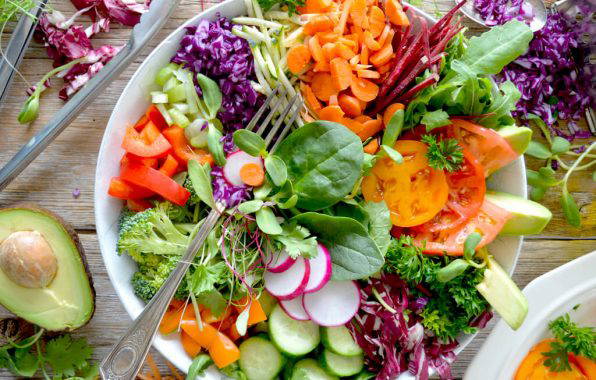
x=443 y=155
x=570 y=339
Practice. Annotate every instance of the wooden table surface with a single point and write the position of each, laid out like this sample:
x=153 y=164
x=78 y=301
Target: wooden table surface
x=69 y=164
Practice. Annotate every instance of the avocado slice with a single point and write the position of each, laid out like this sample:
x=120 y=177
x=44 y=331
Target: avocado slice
x=527 y=217
x=503 y=295
x=44 y=277
x=518 y=137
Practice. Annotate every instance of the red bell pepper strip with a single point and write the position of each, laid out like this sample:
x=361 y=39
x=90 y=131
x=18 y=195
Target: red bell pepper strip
x=125 y=190
x=182 y=149
x=170 y=166
x=156 y=181
x=156 y=117
x=135 y=143
x=138 y=205
x=150 y=133
x=141 y=123
x=151 y=162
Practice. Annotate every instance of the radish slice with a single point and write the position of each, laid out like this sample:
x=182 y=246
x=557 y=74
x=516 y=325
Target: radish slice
x=279 y=261
x=334 y=305
x=289 y=283
x=234 y=162
x=294 y=309
x=320 y=270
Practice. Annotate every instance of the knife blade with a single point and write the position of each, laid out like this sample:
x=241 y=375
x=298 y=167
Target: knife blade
x=151 y=22
x=17 y=46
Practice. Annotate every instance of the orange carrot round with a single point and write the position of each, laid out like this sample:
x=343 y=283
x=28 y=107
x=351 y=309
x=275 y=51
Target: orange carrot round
x=319 y=23
x=376 y=21
x=371 y=128
x=395 y=13
x=390 y=110
x=382 y=56
x=252 y=174
x=353 y=125
x=298 y=58
x=358 y=12
x=331 y=113
x=322 y=86
x=364 y=89
x=350 y=105
x=341 y=72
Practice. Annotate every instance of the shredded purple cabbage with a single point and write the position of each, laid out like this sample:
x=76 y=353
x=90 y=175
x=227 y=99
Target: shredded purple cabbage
x=210 y=48
x=226 y=192
x=391 y=344
x=497 y=12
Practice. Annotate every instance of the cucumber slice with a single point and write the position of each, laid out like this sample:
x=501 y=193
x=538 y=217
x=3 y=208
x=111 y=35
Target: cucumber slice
x=339 y=340
x=309 y=369
x=259 y=359
x=292 y=337
x=339 y=365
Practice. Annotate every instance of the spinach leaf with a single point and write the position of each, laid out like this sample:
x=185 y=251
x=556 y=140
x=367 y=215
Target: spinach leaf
x=488 y=53
x=379 y=224
x=324 y=160
x=353 y=253
x=201 y=181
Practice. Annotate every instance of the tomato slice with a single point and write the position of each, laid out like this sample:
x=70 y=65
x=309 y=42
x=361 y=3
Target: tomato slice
x=489 y=222
x=492 y=151
x=467 y=188
x=156 y=181
x=412 y=190
x=125 y=190
x=182 y=149
x=135 y=143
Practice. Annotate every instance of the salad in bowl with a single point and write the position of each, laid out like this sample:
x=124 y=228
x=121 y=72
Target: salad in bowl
x=371 y=241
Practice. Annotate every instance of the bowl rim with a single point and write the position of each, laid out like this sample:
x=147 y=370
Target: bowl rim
x=210 y=13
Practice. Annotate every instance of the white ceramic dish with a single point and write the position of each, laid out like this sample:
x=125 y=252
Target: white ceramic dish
x=549 y=296
x=131 y=105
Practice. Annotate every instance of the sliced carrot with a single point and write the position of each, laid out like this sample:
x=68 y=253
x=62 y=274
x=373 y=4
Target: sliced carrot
x=341 y=72
x=204 y=337
x=349 y=42
x=390 y=110
x=371 y=128
x=208 y=317
x=372 y=147
x=364 y=89
x=376 y=21
x=395 y=13
x=364 y=55
x=355 y=41
x=333 y=100
x=252 y=174
x=383 y=37
x=170 y=166
x=382 y=56
x=318 y=23
x=321 y=66
x=310 y=97
x=329 y=51
x=223 y=351
x=354 y=60
x=353 y=125
x=369 y=74
x=363 y=118
x=370 y=42
x=191 y=347
x=343 y=19
x=326 y=37
x=358 y=12
x=331 y=113
x=315 y=6
x=342 y=50
x=298 y=58
x=350 y=105
x=384 y=68
x=315 y=49
x=322 y=86
x=256 y=313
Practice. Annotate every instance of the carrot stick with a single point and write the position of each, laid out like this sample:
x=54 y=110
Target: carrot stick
x=364 y=55
x=343 y=19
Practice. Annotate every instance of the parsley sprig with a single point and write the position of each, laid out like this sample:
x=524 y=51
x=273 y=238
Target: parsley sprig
x=570 y=338
x=443 y=155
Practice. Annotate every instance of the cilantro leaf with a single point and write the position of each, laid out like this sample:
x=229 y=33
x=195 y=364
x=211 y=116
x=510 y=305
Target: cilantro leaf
x=291 y=4
x=435 y=119
x=297 y=241
x=443 y=155
x=67 y=355
x=570 y=338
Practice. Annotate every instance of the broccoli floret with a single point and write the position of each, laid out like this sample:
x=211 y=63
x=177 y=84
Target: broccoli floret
x=150 y=232
x=194 y=198
x=148 y=279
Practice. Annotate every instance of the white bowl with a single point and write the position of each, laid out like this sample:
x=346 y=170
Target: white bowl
x=131 y=105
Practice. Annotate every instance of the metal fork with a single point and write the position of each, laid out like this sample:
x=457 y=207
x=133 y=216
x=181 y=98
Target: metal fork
x=127 y=357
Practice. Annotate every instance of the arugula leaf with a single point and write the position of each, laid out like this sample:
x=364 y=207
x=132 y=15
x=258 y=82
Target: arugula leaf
x=67 y=355
x=571 y=338
x=213 y=300
x=443 y=155
x=501 y=106
x=435 y=119
x=297 y=241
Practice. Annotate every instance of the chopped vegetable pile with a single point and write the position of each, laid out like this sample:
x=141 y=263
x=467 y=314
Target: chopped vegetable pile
x=374 y=201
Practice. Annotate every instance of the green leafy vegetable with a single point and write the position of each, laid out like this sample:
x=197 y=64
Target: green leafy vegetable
x=277 y=170
x=353 y=253
x=393 y=129
x=435 y=119
x=297 y=241
x=249 y=142
x=392 y=154
x=470 y=245
x=267 y=221
x=379 y=224
x=452 y=270
x=538 y=150
x=198 y=366
x=250 y=207
x=215 y=145
x=291 y=4
x=324 y=161
x=200 y=177
x=211 y=95
x=443 y=155
x=504 y=101
x=570 y=339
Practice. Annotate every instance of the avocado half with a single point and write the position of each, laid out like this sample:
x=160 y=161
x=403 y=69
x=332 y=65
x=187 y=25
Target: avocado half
x=44 y=277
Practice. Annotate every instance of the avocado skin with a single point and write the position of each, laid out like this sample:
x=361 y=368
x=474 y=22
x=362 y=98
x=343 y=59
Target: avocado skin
x=74 y=236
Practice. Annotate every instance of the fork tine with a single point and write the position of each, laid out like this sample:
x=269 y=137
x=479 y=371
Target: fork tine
x=265 y=123
x=287 y=129
x=282 y=119
x=261 y=110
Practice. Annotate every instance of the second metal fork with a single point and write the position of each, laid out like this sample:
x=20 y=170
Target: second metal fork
x=127 y=357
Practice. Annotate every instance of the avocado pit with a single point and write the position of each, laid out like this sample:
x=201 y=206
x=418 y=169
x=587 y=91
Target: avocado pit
x=28 y=260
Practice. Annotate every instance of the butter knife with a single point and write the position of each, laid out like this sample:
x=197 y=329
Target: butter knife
x=151 y=22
